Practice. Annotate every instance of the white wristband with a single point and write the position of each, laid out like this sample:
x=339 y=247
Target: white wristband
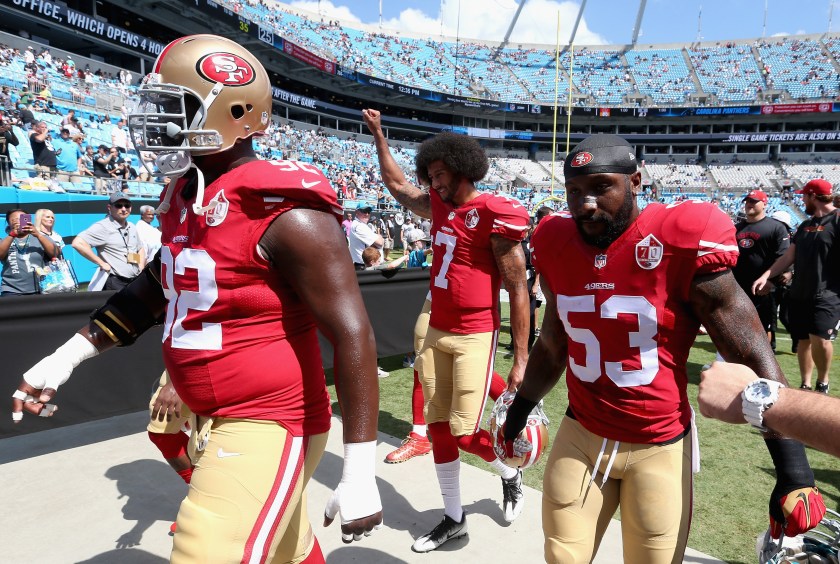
x=55 y=370
x=358 y=495
x=359 y=462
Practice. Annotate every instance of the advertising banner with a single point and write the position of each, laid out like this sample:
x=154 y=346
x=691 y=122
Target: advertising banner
x=308 y=57
x=64 y=16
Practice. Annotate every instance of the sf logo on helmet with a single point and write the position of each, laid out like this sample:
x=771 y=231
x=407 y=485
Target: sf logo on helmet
x=582 y=159
x=227 y=68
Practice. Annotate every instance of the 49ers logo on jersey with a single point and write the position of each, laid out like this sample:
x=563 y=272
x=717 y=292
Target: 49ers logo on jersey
x=227 y=68
x=649 y=252
x=471 y=221
x=219 y=212
x=582 y=159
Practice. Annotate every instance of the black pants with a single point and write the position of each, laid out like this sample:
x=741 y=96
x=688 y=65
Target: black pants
x=117 y=283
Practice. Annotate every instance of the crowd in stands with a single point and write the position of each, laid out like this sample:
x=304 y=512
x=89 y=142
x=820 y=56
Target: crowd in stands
x=799 y=68
x=51 y=138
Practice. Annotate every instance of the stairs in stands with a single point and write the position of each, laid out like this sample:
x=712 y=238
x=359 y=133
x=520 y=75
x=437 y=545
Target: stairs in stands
x=713 y=184
x=558 y=174
x=694 y=78
x=830 y=57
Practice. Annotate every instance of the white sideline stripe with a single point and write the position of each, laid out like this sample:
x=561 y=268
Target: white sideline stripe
x=497 y=222
x=270 y=518
x=719 y=246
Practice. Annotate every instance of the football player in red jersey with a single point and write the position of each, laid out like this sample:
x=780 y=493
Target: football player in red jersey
x=475 y=237
x=250 y=249
x=626 y=292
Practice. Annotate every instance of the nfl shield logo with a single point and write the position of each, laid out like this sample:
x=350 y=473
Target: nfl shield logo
x=649 y=252
x=472 y=218
x=600 y=261
x=218 y=214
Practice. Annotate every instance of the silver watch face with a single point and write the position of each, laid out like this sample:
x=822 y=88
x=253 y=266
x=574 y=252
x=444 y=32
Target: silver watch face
x=757 y=392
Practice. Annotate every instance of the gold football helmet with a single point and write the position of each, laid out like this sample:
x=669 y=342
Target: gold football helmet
x=204 y=93
x=532 y=441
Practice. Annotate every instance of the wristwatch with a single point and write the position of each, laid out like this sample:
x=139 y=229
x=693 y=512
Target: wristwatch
x=758 y=397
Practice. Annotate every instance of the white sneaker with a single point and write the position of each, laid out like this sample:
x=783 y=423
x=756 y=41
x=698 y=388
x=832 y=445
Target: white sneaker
x=381 y=373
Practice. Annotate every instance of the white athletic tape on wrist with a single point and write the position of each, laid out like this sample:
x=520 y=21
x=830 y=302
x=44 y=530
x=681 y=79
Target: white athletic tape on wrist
x=357 y=495
x=19 y=395
x=55 y=370
x=17 y=416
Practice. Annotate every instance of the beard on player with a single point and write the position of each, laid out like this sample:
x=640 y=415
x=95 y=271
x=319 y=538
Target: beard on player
x=614 y=225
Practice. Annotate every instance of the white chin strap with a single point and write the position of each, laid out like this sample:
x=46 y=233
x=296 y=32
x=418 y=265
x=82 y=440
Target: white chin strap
x=197 y=208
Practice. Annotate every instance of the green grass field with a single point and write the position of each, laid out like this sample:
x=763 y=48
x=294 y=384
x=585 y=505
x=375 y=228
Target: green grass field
x=736 y=476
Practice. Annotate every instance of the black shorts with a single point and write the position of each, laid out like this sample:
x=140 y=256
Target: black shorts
x=766 y=308
x=818 y=316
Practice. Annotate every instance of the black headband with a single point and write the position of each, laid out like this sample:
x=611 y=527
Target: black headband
x=600 y=154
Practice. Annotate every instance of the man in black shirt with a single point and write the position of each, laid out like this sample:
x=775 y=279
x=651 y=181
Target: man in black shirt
x=103 y=163
x=43 y=153
x=814 y=301
x=27 y=118
x=7 y=138
x=761 y=240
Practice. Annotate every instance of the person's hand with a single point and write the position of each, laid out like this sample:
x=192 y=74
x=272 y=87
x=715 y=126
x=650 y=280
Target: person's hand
x=785 y=277
x=167 y=403
x=511 y=452
x=356 y=498
x=373 y=119
x=764 y=291
x=515 y=377
x=795 y=512
x=720 y=391
x=105 y=267
x=759 y=284
x=40 y=383
x=32 y=400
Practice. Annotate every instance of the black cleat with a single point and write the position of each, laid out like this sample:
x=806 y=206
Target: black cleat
x=447 y=529
x=821 y=388
x=514 y=499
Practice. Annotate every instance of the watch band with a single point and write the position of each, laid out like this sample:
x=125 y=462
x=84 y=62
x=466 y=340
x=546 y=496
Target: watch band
x=759 y=396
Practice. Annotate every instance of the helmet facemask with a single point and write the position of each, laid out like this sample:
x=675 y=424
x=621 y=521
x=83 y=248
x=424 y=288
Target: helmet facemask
x=205 y=94
x=168 y=120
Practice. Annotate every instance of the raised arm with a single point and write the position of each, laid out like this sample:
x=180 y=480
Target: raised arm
x=403 y=191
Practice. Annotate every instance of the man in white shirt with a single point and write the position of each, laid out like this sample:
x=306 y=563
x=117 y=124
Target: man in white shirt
x=149 y=235
x=362 y=235
x=119 y=137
